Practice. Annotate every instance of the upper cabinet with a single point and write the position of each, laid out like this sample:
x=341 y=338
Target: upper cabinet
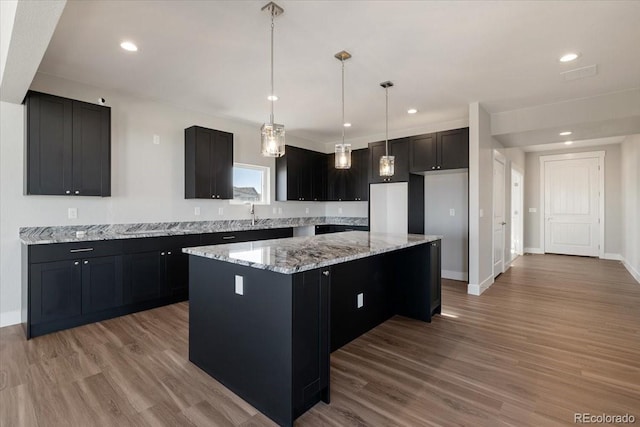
x=68 y=147
x=208 y=165
x=439 y=151
x=301 y=175
x=349 y=184
x=399 y=148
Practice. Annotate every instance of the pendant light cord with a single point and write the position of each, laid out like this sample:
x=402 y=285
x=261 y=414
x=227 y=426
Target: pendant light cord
x=272 y=27
x=386 y=132
x=342 y=60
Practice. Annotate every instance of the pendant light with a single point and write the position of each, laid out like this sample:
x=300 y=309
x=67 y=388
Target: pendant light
x=386 y=161
x=272 y=134
x=343 y=151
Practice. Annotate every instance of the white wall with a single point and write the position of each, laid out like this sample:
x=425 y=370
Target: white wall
x=613 y=198
x=630 y=175
x=147 y=180
x=444 y=191
x=481 y=146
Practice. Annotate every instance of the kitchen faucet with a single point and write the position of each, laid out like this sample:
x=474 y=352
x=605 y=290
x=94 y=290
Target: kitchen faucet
x=252 y=211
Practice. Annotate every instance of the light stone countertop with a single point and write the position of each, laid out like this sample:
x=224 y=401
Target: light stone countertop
x=297 y=254
x=65 y=234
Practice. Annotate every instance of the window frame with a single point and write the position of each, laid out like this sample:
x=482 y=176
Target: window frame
x=266 y=187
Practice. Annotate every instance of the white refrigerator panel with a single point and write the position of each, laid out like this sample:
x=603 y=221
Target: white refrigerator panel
x=389 y=204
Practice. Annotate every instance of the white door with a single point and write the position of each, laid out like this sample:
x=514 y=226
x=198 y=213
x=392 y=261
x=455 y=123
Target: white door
x=516 y=213
x=498 y=216
x=571 y=206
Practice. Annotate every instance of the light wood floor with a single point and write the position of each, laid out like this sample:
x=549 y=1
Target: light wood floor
x=553 y=336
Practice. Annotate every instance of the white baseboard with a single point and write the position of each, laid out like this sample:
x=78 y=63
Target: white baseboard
x=455 y=275
x=9 y=318
x=614 y=257
x=635 y=273
x=473 y=289
x=533 y=251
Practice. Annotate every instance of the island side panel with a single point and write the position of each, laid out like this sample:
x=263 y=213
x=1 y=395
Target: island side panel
x=243 y=341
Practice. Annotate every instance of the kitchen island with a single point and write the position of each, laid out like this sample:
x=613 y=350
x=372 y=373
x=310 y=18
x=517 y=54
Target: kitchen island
x=264 y=316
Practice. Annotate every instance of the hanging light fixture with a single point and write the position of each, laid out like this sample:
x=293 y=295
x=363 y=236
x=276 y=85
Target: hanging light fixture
x=386 y=161
x=272 y=134
x=343 y=151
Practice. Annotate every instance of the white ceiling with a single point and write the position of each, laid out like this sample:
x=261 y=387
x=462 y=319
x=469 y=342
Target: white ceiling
x=213 y=56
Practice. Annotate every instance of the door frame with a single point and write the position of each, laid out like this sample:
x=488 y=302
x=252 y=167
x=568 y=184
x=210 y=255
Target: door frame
x=601 y=199
x=502 y=159
x=520 y=171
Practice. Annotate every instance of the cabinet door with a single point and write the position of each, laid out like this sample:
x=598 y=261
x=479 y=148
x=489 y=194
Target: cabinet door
x=101 y=283
x=435 y=276
x=360 y=166
x=55 y=291
x=399 y=148
x=304 y=168
x=222 y=165
x=177 y=272
x=91 y=149
x=49 y=144
x=144 y=277
x=453 y=146
x=376 y=150
x=293 y=170
x=319 y=177
x=423 y=153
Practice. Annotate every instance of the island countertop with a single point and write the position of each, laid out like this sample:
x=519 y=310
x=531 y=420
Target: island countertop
x=297 y=254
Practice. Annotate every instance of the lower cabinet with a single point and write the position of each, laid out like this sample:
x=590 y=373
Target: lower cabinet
x=70 y=284
x=435 y=276
x=325 y=229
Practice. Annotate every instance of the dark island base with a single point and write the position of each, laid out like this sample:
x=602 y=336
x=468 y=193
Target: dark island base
x=271 y=345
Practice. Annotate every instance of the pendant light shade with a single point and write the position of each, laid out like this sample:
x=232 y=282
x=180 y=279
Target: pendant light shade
x=386 y=161
x=343 y=151
x=272 y=134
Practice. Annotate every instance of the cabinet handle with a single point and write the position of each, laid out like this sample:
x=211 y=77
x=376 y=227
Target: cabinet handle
x=213 y=196
x=437 y=167
x=161 y=253
x=76 y=263
x=77 y=191
x=326 y=272
x=169 y=253
x=80 y=250
x=433 y=167
x=68 y=192
x=86 y=262
x=228 y=237
x=434 y=244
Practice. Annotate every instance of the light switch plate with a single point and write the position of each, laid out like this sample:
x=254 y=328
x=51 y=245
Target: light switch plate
x=339 y=210
x=220 y=211
x=156 y=139
x=452 y=212
x=533 y=210
x=360 y=302
x=239 y=285
x=481 y=213
x=196 y=210
x=72 y=213
x=306 y=210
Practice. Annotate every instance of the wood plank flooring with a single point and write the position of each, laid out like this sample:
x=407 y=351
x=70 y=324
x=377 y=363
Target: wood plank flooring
x=553 y=336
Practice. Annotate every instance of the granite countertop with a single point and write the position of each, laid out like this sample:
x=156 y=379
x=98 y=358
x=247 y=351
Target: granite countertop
x=64 y=234
x=296 y=254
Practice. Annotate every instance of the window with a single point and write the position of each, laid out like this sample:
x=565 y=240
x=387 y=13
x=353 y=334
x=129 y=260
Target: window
x=250 y=184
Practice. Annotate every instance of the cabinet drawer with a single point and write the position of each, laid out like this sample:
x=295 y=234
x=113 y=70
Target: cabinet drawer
x=74 y=250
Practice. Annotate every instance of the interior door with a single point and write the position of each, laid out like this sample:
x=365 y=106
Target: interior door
x=498 y=216
x=516 y=213
x=571 y=206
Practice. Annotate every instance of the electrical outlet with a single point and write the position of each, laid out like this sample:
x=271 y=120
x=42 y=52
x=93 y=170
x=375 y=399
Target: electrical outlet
x=72 y=213
x=306 y=210
x=156 y=139
x=239 y=285
x=339 y=210
x=360 y=300
x=275 y=210
x=481 y=213
x=196 y=210
x=452 y=212
x=279 y=211
x=220 y=211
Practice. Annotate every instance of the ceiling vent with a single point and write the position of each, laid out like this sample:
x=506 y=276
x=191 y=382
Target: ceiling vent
x=580 y=73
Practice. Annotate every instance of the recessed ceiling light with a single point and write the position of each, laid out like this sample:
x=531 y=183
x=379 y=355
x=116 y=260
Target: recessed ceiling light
x=412 y=111
x=568 y=57
x=565 y=133
x=347 y=125
x=131 y=47
x=272 y=97
x=568 y=142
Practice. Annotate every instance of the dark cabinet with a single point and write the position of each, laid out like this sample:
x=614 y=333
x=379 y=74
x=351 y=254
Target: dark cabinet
x=144 y=278
x=349 y=184
x=300 y=175
x=68 y=147
x=435 y=276
x=360 y=166
x=208 y=164
x=101 y=283
x=331 y=228
x=55 y=292
x=440 y=151
x=399 y=148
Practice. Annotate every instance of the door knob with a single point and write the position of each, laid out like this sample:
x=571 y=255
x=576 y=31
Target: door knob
x=503 y=223
x=326 y=272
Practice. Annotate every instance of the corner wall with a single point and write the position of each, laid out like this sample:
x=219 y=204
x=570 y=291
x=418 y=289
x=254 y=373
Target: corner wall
x=630 y=174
